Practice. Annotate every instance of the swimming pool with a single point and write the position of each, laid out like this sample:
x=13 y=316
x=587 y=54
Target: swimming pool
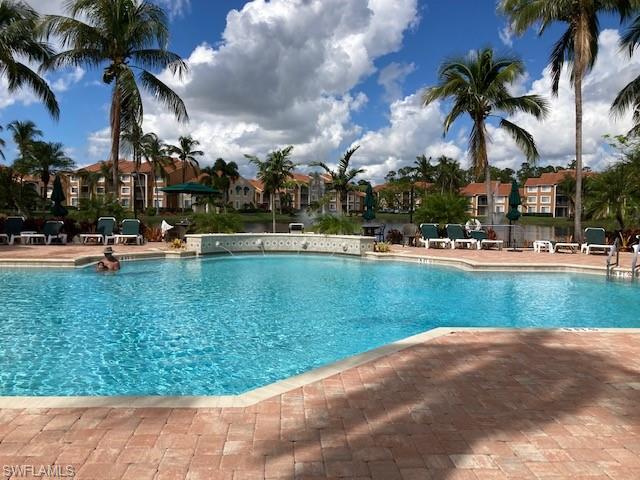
x=225 y=325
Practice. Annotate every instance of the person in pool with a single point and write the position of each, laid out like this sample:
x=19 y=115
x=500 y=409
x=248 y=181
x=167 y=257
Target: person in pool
x=109 y=263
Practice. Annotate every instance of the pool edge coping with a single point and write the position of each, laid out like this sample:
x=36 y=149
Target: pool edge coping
x=271 y=390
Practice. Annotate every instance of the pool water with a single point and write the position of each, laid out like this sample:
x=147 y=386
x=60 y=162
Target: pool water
x=226 y=325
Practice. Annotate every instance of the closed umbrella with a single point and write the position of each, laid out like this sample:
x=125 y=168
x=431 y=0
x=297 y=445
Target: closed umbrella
x=513 y=214
x=57 y=197
x=369 y=214
x=191 y=188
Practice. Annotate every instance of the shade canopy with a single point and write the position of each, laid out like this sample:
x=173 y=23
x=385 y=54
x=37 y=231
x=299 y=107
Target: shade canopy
x=369 y=213
x=57 y=196
x=190 y=188
x=514 y=201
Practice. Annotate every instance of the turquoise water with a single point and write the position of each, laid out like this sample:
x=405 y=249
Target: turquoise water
x=226 y=325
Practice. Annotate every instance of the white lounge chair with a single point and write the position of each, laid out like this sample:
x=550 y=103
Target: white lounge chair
x=12 y=229
x=484 y=241
x=130 y=231
x=455 y=233
x=430 y=236
x=104 y=231
x=52 y=230
x=595 y=239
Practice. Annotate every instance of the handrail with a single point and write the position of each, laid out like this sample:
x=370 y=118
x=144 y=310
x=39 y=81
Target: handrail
x=614 y=251
x=635 y=268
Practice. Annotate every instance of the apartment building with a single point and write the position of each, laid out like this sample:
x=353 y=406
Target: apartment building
x=401 y=196
x=542 y=195
x=476 y=193
x=138 y=187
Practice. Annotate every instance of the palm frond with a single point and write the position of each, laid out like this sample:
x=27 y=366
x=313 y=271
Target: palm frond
x=523 y=139
x=165 y=95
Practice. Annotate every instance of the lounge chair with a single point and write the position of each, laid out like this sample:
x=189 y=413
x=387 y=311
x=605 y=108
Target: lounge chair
x=130 y=231
x=595 y=239
x=104 y=231
x=455 y=232
x=12 y=229
x=52 y=230
x=430 y=235
x=483 y=240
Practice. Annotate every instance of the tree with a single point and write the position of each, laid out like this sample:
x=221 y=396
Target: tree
x=156 y=153
x=612 y=192
x=273 y=172
x=90 y=179
x=132 y=138
x=342 y=177
x=443 y=208
x=128 y=38
x=224 y=173
x=19 y=40
x=424 y=170
x=578 y=45
x=49 y=159
x=187 y=155
x=24 y=135
x=448 y=176
x=478 y=85
x=629 y=96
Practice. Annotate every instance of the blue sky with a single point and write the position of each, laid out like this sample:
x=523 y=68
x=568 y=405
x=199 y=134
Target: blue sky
x=333 y=75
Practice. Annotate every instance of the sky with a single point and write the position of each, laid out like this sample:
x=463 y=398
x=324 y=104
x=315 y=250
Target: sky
x=325 y=75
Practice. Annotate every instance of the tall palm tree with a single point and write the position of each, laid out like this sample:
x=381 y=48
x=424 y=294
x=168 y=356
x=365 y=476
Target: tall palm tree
x=613 y=192
x=156 y=153
x=128 y=38
x=131 y=139
x=224 y=173
x=424 y=170
x=629 y=96
x=25 y=135
x=185 y=151
x=341 y=178
x=578 y=45
x=478 y=85
x=274 y=172
x=19 y=40
x=49 y=159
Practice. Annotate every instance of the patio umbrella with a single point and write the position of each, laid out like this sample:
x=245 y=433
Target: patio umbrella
x=369 y=214
x=513 y=214
x=57 y=196
x=191 y=188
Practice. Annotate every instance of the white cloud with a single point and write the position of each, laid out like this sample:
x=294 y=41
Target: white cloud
x=506 y=35
x=391 y=78
x=175 y=7
x=66 y=80
x=286 y=72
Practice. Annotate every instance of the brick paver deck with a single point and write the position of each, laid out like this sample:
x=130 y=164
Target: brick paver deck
x=506 y=405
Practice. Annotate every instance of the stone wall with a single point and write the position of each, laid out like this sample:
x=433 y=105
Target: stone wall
x=279 y=242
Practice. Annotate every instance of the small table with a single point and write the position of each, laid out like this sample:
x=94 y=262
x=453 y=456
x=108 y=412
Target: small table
x=570 y=246
x=543 y=245
x=32 y=238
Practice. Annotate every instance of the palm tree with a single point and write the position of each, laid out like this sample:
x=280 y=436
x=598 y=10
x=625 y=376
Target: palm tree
x=577 y=45
x=342 y=177
x=156 y=153
x=49 y=159
x=448 y=176
x=187 y=155
x=273 y=172
x=124 y=36
x=478 y=86
x=90 y=179
x=24 y=135
x=424 y=170
x=19 y=40
x=131 y=138
x=629 y=96
x=224 y=173
x=612 y=192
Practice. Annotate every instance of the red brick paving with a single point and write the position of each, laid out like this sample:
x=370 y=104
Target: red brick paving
x=507 y=405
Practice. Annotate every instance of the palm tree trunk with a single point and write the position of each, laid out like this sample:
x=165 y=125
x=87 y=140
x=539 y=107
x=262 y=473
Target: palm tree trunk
x=273 y=211
x=154 y=188
x=339 y=202
x=116 y=107
x=487 y=183
x=577 y=226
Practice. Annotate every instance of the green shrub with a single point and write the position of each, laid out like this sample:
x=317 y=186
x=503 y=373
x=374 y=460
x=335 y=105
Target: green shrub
x=216 y=223
x=442 y=208
x=333 y=225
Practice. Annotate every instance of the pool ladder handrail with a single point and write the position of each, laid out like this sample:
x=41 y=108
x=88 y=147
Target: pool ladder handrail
x=614 y=251
x=635 y=268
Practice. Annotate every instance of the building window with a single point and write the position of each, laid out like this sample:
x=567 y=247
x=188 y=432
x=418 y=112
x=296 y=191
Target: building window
x=125 y=190
x=85 y=189
x=159 y=178
x=532 y=199
x=246 y=191
x=499 y=209
x=124 y=202
x=125 y=178
x=74 y=190
x=238 y=189
x=545 y=209
x=501 y=199
x=187 y=203
x=532 y=189
x=101 y=180
x=545 y=188
x=545 y=199
x=74 y=202
x=100 y=190
x=73 y=178
x=158 y=203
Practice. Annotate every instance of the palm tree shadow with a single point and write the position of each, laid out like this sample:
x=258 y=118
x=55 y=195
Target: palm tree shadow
x=490 y=401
